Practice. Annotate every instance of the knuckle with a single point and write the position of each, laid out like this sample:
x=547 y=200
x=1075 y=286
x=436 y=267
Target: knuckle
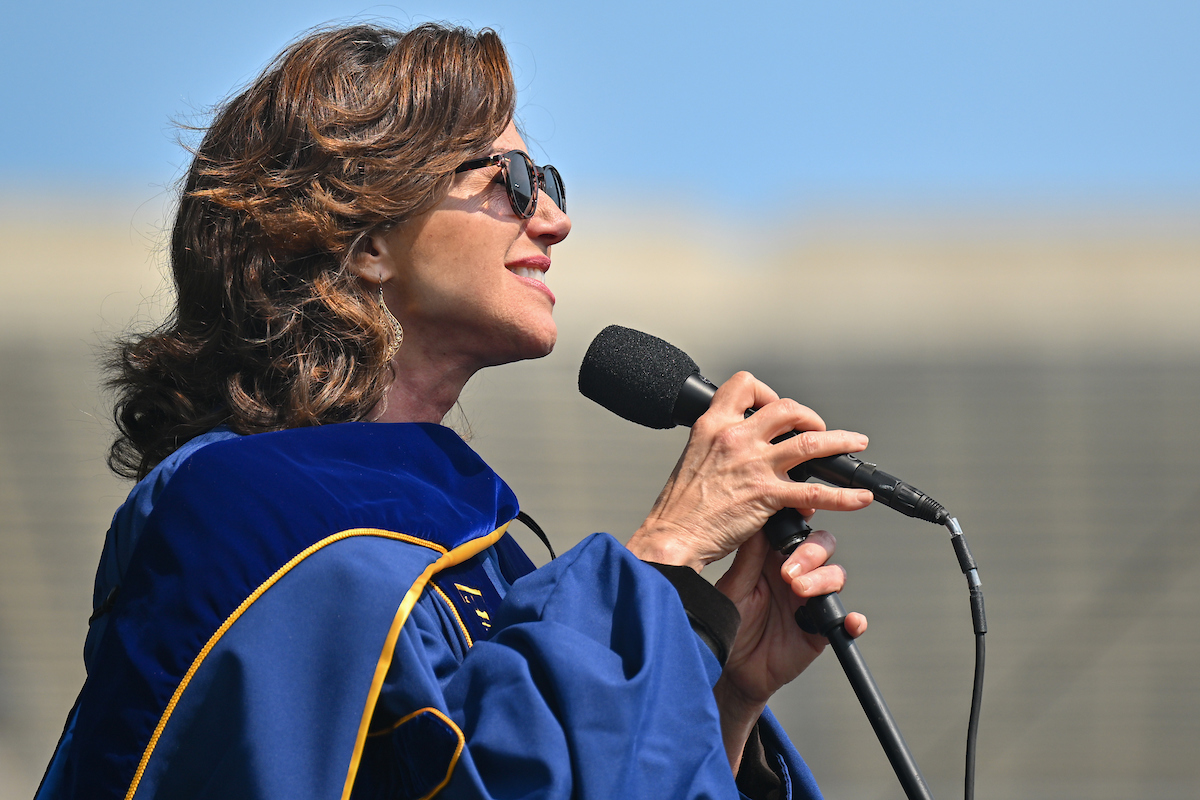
x=705 y=426
x=792 y=407
x=804 y=445
x=811 y=494
x=727 y=438
x=739 y=382
x=798 y=416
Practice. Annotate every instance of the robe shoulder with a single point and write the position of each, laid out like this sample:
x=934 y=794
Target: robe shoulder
x=261 y=556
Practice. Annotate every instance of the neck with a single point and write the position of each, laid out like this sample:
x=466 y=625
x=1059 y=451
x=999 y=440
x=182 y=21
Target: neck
x=424 y=389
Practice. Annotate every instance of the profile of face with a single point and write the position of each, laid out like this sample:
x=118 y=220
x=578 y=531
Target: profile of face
x=467 y=279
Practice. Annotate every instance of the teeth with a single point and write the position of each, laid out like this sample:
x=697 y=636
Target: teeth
x=529 y=272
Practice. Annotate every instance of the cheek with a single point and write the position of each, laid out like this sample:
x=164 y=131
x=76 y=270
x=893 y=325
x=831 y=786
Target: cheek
x=457 y=274
x=438 y=258
x=465 y=242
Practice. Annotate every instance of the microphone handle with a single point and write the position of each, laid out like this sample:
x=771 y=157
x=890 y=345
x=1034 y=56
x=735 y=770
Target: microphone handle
x=853 y=473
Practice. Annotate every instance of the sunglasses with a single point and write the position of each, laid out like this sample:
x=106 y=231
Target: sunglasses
x=522 y=179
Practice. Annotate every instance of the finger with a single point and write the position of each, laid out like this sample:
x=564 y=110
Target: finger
x=740 y=392
x=856 y=624
x=822 y=580
x=813 y=552
x=781 y=416
x=790 y=494
x=808 y=445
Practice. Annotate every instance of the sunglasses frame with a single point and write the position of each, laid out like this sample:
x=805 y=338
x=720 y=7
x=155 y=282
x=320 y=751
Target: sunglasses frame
x=539 y=177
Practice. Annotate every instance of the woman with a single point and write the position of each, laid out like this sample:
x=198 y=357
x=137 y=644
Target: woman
x=291 y=608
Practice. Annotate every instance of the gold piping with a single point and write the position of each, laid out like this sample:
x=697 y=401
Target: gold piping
x=450 y=559
x=454 y=611
x=462 y=740
x=241 y=609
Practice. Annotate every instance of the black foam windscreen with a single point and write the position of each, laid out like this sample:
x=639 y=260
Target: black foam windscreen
x=635 y=375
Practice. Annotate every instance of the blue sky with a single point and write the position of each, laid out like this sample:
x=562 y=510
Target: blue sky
x=774 y=105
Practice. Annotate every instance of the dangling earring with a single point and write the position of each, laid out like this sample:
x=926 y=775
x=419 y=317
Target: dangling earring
x=397 y=329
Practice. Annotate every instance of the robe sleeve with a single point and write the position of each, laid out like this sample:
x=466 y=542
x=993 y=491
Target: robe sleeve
x=593 y=685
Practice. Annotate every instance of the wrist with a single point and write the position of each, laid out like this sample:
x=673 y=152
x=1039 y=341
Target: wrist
x=739 y=715
x=740 y=708
x=664 y=548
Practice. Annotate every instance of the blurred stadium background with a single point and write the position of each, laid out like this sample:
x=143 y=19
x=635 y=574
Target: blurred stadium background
x=1037 y=373
x=971 y=231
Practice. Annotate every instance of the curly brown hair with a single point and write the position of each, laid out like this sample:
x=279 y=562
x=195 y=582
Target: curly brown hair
x=348 y=132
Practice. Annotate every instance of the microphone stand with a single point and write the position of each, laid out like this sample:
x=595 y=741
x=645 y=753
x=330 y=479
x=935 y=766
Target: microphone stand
x=825 y=615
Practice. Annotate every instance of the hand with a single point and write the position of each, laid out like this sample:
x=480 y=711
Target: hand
x=770 y=649
x=731 y=478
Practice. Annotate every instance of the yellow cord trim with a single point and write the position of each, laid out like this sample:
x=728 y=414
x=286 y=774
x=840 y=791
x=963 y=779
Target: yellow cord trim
x=447 y=560
x=241 y=609
x=462 y=740
x=457 y=618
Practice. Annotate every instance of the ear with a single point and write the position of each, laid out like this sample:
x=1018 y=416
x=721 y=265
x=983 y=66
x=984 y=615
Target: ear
x=374 y=261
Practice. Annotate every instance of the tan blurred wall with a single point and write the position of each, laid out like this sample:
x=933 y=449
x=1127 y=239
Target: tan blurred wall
x=1037 y=373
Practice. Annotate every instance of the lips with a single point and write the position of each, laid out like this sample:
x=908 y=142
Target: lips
x=532 y=272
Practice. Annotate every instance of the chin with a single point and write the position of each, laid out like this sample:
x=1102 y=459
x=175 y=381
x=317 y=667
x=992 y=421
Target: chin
x=542 y=345
x=528 y=344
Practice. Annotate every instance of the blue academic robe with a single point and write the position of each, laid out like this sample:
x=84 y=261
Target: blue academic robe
x=339 y=612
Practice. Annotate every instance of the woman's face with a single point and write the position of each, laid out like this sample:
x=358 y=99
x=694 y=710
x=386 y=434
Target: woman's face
x=469 y=276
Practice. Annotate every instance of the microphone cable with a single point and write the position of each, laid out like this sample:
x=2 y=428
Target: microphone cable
x=928 y=510
x=966 y=562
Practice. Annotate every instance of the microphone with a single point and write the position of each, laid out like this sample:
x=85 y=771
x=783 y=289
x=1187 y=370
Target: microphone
x=651 y=382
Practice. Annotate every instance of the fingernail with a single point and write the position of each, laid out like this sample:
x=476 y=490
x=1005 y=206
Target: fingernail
x=805 y=584
x=791 y=570
x=865 y=495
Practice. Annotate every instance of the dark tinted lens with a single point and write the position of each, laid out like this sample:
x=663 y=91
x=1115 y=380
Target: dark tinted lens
x=520 y=183
x=554 y=187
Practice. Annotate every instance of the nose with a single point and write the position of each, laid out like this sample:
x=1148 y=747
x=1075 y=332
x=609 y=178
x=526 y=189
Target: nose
x=549 y=224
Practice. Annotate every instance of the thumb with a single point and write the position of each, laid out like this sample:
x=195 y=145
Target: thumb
x=743 y=574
